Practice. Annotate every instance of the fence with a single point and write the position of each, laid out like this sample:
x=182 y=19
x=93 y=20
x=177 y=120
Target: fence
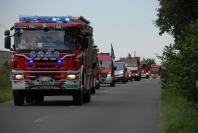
x=5 y=57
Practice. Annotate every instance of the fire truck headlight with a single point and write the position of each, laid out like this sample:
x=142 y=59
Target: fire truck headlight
x=19 y=77
x=109 y=74
x=72 y=76
x=40 y=54
x=48 y=54
x=32 y=54
x=56 y=54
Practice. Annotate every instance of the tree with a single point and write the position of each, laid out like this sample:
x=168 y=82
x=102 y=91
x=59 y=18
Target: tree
x=150 y=61
x=175 y=15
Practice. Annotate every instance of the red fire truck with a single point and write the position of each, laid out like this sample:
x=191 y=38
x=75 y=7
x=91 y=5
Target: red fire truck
x=52 y=55
x=145 y=70
x=155 y=70
x=106 y=69
x=133 y=64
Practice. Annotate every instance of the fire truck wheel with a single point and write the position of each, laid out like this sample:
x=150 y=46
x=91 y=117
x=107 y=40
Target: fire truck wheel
x=29 y=98
x=93 y=90
x=98 y=86
x=124 y=81
x=18 y=97
x=78 y=99
x=87 y=96
x=112 y=84
x=39 y=98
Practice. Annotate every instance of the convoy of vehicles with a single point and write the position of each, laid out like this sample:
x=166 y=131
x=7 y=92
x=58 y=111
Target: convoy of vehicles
x=120 y=72
x=51 y=56
x=55 y=55
x=133 y=64
x=106 y=69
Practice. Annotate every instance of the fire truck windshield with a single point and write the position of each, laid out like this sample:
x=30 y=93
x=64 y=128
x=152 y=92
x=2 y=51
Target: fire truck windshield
x=105 y=63
x=119 y=65
x=41 y=40
x=154 y=69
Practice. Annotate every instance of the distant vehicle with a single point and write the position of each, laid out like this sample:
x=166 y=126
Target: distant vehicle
x=120 y=72
x=155 y=71
x=133 y=64
x=145 y=70
x=106 y=69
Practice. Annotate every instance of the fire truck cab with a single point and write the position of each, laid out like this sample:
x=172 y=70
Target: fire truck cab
x=52 y=55
x=106 y=69
x=155 y=70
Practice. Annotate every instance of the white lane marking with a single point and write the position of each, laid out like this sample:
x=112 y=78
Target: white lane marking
x=39 y=120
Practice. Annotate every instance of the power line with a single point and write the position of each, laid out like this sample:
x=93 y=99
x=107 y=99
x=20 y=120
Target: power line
x=3 y=26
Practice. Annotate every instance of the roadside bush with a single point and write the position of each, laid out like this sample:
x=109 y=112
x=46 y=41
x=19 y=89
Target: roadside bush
x=181 y=62
x=5 y=91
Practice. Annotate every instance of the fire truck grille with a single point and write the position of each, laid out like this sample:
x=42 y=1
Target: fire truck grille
x=51 y=65
x=56 y=76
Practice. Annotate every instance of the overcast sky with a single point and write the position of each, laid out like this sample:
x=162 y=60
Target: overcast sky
x=127 y=24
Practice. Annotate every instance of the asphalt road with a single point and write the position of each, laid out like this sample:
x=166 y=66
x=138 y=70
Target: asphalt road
x=127 y=108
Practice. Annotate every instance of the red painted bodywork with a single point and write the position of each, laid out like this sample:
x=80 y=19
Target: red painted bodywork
x=72 y=63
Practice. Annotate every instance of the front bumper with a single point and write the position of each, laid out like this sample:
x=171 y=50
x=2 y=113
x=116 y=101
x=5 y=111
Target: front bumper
x=119 y=78
x=106 y=80
x=28 y=85
x=44 y=82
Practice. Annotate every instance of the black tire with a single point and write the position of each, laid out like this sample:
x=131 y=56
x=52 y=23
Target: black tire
x=93 y=90
x=18 y=98
x=87 y=96
x=112 y=84
x=124 y=81
x=78 y=99
x=139 y=78
x=39 y=99
x=98 y=87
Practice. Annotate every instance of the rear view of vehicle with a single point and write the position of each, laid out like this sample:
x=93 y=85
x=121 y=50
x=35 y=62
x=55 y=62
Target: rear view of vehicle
x=120 y=72
x=106 y=69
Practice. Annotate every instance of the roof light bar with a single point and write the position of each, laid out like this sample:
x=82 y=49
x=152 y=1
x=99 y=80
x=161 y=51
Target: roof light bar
x=45 y=19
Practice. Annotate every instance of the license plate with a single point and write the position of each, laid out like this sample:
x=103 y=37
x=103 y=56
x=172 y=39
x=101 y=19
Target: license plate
x=46 y=87
x=72 y=86
x=45 y=79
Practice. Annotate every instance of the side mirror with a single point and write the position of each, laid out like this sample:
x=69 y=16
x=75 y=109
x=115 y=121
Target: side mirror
x=7 y=33
x=114 y=68
x=7 y=42
x=94 y=65
x=125 y=69
x=85 y=43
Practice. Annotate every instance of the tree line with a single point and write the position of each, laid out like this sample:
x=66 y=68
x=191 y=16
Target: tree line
x=179 y=18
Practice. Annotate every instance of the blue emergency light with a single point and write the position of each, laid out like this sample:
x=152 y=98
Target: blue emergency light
x=31 y=61
x=45 y=19
x=59 y=61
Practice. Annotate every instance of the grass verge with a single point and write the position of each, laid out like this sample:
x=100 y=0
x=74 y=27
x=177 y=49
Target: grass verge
x=176 y=114
x=5 y=91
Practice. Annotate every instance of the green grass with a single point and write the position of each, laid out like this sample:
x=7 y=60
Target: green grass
x=5 y=91
x=177 y=115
